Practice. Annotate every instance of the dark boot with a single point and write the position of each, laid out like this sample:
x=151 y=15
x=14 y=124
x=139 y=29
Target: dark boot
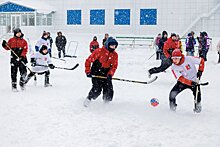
x=14 y=87
x=47 y=84
x=22 y=84
x=173 y=106
x=59 y=54
x=198 y=108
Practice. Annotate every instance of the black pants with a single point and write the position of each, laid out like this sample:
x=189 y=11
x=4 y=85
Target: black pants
x=165 y=63
x=15 y=65
x=158 y=55
x=59 y=52
x=203 y=54
x=101 y=84
x=180 y=87
x=47 y=74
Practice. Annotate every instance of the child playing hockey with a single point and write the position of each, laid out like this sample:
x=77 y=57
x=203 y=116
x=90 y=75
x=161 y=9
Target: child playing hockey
x=19 y=49
x=187 y=76
x=40 y=62
x=166 y=62
x=43 y=41
x=104 y=63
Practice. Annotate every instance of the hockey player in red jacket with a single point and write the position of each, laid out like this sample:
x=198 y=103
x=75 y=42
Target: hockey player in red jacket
x=19 y=47
x=104 y=63
x=185 y=72
x=166 y=62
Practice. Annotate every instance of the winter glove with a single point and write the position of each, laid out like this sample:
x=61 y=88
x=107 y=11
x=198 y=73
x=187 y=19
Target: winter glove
x=23 y=59
x=199 y=74
x=4 y=43
x=89 y=75
x=36 y=48
x=194 y=84
x=51 y=66
x=33 y=62
x=109 y=77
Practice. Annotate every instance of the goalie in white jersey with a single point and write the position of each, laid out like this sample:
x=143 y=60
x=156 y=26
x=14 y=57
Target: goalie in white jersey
x=40 y=61
x=186 y=73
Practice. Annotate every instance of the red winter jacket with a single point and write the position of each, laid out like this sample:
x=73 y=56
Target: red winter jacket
x=93 y=45
x=103 y=61
x=18 y=45
x=168 y=47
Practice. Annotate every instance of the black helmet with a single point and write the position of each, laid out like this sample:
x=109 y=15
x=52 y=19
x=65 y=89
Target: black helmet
x=17 y=30
x=43 y=47
x=95 y=38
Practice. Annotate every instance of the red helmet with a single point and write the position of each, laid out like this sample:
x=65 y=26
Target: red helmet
x=176 y=53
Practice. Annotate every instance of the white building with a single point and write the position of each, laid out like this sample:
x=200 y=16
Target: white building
x=134 y=17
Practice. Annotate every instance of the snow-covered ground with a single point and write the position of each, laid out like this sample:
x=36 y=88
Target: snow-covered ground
x=55 y=116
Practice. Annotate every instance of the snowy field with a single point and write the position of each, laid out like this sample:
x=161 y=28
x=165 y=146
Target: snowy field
x=56 y=117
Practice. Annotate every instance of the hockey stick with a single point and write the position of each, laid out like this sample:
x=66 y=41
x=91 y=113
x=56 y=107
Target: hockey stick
x=70 y=56
x=74 y=67
x=197 y=92
x=126 y=80
x=204 y=84
x=18 y=58
x=31 y=51
x=151 y=56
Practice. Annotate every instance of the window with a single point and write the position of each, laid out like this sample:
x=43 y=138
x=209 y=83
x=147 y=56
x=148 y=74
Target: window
x=24 y=20
x=2 y=19
x=74 y=17
x=49 y=19
x=31 y=19
x=148 y=16
x=97 y=17
x=122 y=16
x=44 y=19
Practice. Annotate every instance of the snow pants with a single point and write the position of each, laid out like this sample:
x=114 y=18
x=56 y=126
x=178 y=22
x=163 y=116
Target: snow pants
x=101 y=84
x=15 y=65
x=165 y=63
x=180 y=87
x=59 y=52
x=203 y=54
x=47 y=74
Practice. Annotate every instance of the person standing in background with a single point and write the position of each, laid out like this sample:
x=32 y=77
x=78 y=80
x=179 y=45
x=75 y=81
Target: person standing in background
x=161 y=43
x=202 y=46
x=51 y=43
x=105 y=38
x=93 y=44
x=156 y=44
x=179 y=42
x=60 y=44
x=190 y=42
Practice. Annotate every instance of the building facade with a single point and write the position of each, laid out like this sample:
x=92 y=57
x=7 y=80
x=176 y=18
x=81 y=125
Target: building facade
x=135 y=17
